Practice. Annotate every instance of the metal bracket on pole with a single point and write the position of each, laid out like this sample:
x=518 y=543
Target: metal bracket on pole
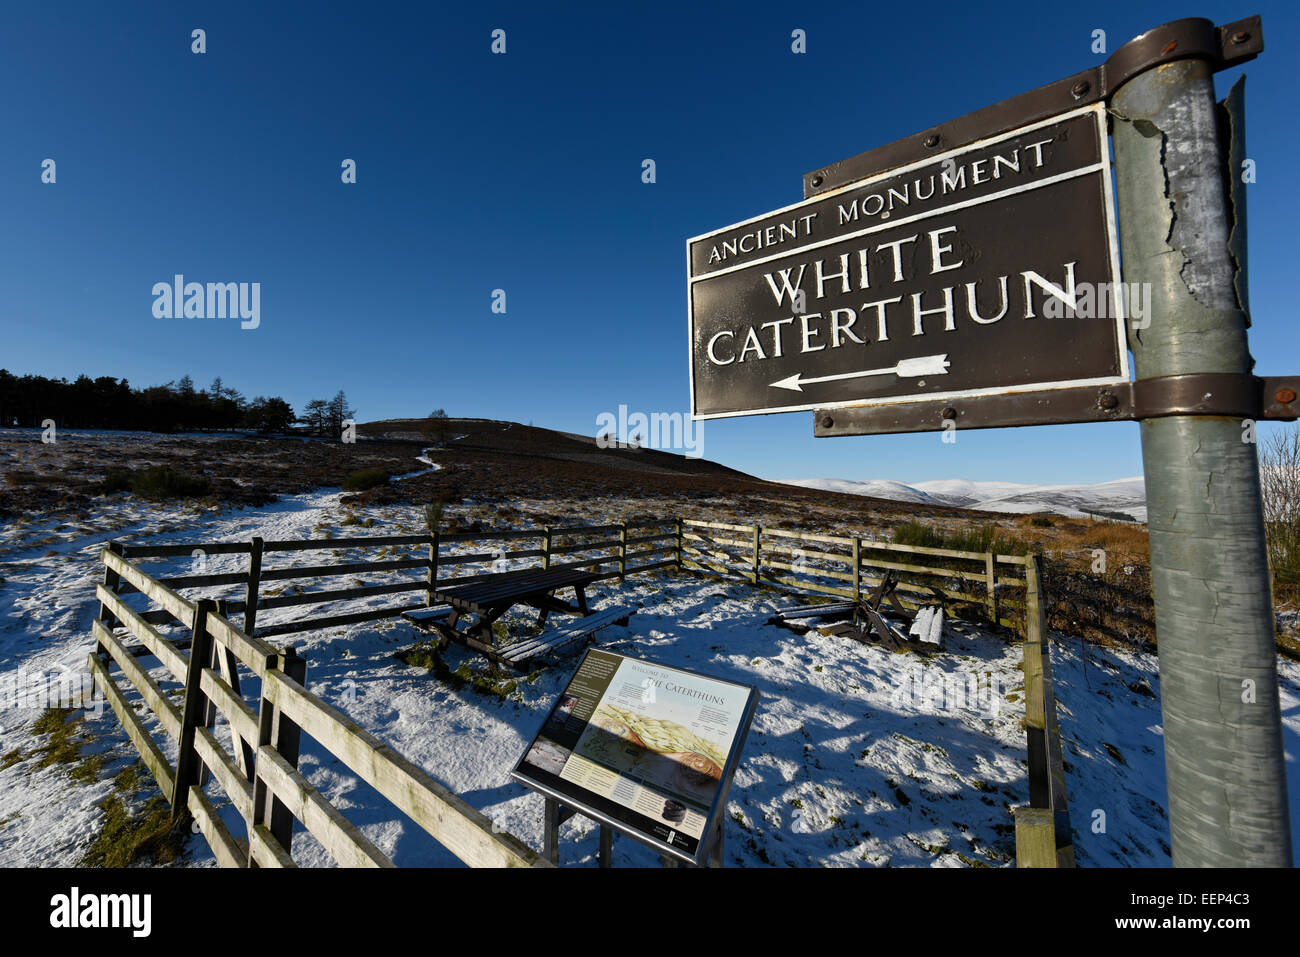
x=1223 y=46
x=1218 y=394
x=1221 y=394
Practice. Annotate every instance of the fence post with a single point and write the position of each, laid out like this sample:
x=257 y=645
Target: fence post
x=606 y=854
x=990 y=576
x=1043 y=831
x=187 y=759
x=283 y=737
x=857 y=568
x=679 y=544
x=224 y=660
x=254 y=585
x=1035 y=837
x=622 y=551
x=718 y=856
x=434 y=546
x=1035 y=723
x=1035 y=707
x=757 y=533
x=210 y=660
x=1035 y=607
x=111 y=581
x=546 y=548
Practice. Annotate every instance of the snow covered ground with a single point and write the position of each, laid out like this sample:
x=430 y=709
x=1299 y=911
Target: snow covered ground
x=857 y=757
x=1127 y=495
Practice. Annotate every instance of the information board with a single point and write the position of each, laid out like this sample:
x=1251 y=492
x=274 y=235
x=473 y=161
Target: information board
x=990 y=268
x=646 y=748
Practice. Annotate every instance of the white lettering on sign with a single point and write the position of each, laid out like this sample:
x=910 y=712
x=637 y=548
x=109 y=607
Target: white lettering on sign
x=768 y=236
x=850 y=272
x=951 y=179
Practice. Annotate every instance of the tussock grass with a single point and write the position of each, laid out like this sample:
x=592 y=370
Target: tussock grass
x=157 y=483
x=366 y=479
x=982 y=538
x=128 y=835
x=145 y=835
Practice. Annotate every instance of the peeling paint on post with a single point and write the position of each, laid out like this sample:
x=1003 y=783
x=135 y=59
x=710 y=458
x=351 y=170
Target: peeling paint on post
x=1214 y=615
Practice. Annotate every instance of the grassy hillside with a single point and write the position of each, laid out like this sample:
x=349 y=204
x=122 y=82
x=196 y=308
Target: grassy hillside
x=1098 y=571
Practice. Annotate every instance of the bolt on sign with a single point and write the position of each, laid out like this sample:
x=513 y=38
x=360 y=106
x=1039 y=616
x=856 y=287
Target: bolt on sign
x=992 y=268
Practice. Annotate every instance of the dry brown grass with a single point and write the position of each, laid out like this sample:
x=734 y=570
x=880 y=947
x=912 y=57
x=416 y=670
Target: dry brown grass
x=1068 y=535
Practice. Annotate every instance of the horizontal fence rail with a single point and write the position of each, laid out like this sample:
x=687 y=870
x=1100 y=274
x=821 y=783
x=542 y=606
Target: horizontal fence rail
x=608 y=551
x=843 y=566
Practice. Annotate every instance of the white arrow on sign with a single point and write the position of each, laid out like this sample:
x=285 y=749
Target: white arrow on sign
x=907 y=368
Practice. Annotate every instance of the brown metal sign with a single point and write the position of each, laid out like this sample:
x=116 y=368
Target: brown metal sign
x=987 y=269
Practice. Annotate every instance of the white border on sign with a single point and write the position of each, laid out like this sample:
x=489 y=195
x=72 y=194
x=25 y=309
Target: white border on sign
x=1108 y=214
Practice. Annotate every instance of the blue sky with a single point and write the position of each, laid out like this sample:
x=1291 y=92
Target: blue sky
x=519 y=172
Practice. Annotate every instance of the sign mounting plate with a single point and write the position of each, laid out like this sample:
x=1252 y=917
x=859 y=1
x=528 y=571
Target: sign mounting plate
x=989 y=269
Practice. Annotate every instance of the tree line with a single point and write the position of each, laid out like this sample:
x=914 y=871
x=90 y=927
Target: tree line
x=107 y=402
x=323 y=417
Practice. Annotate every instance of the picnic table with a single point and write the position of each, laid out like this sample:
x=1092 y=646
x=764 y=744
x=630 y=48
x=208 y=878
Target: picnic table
x=489 y=597
x=867 y=620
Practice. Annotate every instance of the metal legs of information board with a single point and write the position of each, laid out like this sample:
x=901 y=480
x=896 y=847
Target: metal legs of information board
x=1182 y=230
x=556 y=814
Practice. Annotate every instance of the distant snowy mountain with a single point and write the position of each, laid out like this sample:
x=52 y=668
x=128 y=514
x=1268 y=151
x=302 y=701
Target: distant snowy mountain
x=1119 y=498
x=877 y=488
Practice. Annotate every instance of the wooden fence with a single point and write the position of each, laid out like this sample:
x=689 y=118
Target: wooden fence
x=260 y=777
x=927 y=575
x=610 y=551
x=259 y=774
x=207 y=665
x=983 y=582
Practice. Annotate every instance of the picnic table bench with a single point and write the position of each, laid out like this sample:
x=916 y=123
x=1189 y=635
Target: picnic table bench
x=521 y=653
x=868 y=621
x=488 y=597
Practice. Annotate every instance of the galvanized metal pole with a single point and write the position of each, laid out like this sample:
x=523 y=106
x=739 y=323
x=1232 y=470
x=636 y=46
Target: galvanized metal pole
x=1214 y=615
